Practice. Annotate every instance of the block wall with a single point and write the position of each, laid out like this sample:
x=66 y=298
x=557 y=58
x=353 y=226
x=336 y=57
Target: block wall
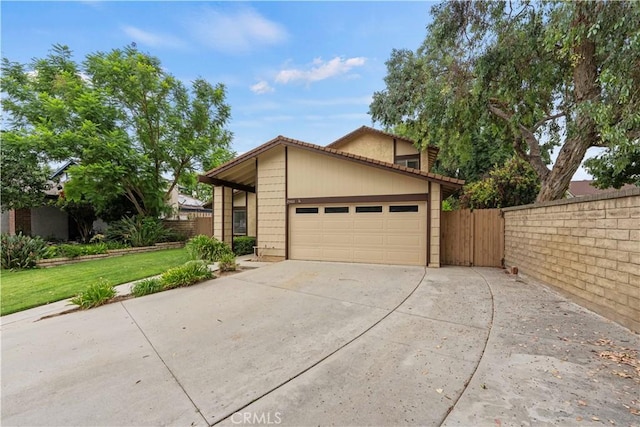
x=587 y=247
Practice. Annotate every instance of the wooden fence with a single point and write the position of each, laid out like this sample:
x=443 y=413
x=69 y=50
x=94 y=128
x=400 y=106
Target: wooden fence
x=472 y=238
x=204 y=225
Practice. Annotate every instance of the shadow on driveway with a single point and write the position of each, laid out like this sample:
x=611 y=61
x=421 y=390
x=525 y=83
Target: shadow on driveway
x=307 y=343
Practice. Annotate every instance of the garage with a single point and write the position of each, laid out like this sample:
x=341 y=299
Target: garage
x=377 y=233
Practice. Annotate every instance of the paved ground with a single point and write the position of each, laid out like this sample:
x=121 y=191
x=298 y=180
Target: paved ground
x=304 y=343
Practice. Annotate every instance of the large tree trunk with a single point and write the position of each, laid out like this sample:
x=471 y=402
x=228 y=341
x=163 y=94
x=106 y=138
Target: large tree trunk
x=585 y=89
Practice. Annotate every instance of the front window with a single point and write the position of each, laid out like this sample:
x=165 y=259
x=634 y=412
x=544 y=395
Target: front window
x=240 y=222
x=409 y=161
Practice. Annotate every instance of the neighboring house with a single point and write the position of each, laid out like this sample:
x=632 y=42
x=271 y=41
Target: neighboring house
x=368 y=197
x=185 y=206
x=47 y=221
x=586 y=188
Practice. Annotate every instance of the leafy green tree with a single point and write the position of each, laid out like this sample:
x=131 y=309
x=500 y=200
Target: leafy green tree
x=129 y=124
x=189 y=183
x=23 y=177
x=513 y=184
x=526 y=78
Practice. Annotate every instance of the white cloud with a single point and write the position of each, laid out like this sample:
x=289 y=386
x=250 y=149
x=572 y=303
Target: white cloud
x=238 y=31
x=261 y=88
x=320 y=70
x=152 y=39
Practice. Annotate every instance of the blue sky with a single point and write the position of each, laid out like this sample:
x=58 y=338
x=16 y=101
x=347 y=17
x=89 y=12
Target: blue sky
x=306 y=70
x=303 y=70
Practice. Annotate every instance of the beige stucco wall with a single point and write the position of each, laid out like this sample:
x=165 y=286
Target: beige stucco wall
x=404 y=148
x=589 y=248
x=271 y=203
x=435 y=202
x=239 y=199
x=319 y=175
x=372 y=146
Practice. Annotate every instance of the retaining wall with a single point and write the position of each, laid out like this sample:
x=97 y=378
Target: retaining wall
x=587 y=247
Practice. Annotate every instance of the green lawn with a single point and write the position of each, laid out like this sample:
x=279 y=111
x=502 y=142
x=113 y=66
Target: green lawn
x=30 y=288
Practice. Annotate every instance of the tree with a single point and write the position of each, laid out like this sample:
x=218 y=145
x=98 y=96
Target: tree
x=528 y=77
x=129 y=124
x=189 y=183
x=24 y=179
x=513 y=184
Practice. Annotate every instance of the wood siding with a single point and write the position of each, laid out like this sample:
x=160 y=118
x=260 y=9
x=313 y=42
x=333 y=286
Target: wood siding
x=317 y=175
x=435 y=202
x=473 y=238
x=271 y=203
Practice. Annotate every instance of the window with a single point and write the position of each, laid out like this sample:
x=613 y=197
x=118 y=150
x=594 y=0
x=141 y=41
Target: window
x=340 y=209
x=240 y=222
x=306 y=210
x=408 y=161
x=366 y=209
x=404 y=208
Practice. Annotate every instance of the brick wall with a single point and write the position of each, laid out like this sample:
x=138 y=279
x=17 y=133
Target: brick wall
x=587 y=247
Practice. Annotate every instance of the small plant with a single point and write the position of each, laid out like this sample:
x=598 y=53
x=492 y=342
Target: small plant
x=74 y=251
x=227 y=263
x=95 y=295
x=98 y=238
x=138 y=231
x=207 y=248
x=243 y=245
x=146 y=287
x=20 y=251
x=186 y=275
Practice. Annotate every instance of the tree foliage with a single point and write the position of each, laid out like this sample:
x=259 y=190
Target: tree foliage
x=133 y=127
x=23 y=176
x=525 y=78
x=513 y=184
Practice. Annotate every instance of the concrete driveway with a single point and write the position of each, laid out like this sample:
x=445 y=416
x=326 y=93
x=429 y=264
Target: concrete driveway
x=305 y=343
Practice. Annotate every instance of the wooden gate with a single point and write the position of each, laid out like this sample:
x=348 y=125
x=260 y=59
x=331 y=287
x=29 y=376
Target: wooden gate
x=472 y=238
x=204 y=225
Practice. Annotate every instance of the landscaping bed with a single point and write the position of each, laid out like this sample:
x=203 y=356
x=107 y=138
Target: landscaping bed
x=52 y=262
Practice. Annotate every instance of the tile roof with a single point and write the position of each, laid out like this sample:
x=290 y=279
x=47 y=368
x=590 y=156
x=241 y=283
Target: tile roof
x=586 y=188
x=282 y=140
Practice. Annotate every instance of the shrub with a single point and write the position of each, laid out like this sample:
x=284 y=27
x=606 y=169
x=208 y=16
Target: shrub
x=227 y=263
x=243 y=245
x=138 y=231
x=207 y=248
x=21 y=251
x=186 y=275
x=73 y=251
x=146 y=287
x=95 y=295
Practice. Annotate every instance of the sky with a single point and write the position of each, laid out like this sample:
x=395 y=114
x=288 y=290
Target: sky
x=305 y=70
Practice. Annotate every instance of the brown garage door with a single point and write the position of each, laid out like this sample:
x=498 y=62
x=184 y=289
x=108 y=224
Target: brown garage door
x=379 y=233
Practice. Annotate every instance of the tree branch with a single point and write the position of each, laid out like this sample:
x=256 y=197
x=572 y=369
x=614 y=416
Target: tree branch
x=534 y=157
x=546 y=119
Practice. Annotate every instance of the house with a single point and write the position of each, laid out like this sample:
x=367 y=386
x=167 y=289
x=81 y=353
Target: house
x=184 y=206
x=368 y=197
x=586 y=188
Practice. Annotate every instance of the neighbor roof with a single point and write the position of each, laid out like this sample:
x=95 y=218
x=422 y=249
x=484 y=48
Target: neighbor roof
x=451 y=183
x=586 y=188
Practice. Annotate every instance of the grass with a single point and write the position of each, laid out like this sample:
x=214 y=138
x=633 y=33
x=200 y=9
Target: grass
x=25 y=289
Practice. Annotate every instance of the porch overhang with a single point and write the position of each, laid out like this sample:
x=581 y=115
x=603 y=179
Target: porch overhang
x=241 y=176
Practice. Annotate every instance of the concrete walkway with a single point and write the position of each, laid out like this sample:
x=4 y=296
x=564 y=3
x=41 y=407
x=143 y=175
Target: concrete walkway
x=305 y=343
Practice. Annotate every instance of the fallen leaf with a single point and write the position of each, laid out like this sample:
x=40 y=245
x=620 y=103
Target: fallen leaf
x=582 y=403
x=498 y=422
x=634 y=411
x=578 y=418
x=439 y=390
x=595 y=418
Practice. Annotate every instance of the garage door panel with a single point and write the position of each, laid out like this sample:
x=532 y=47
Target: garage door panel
x=368 y=237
